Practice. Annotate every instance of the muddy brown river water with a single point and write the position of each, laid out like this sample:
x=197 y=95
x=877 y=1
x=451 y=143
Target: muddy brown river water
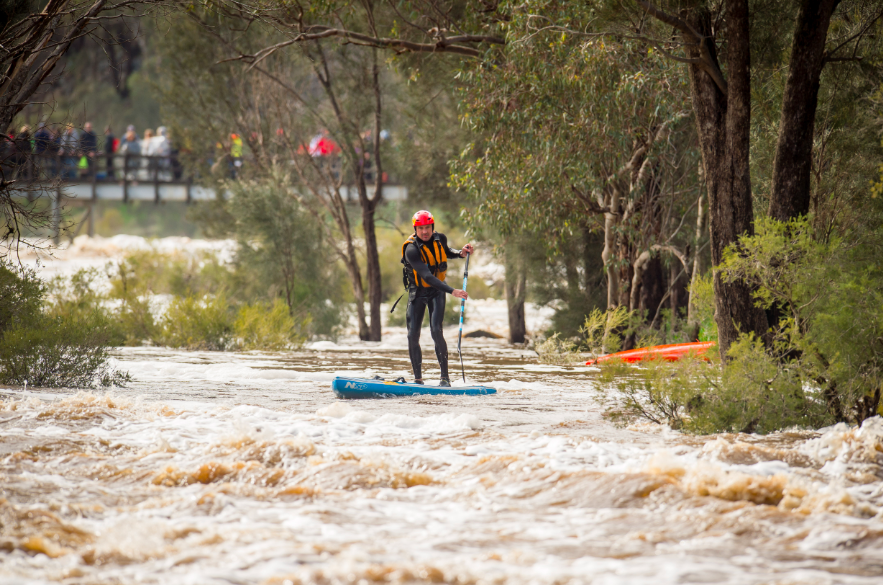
x=219 y=468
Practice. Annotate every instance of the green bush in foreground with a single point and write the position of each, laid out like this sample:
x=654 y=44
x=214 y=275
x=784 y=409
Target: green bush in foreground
x=823 y=363
x=749 y=395
x=49 y=350
x=190 y=322
x=58 y=353
x=828 y=291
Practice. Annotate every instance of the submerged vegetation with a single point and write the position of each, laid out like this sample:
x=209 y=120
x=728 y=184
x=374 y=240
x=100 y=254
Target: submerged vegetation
x=48 y=349
x=178 y=302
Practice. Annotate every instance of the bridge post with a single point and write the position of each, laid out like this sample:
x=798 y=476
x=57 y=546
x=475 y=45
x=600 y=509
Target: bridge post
x=56 y=215
x=90 y=214
x=126 y=177
x=155 y=164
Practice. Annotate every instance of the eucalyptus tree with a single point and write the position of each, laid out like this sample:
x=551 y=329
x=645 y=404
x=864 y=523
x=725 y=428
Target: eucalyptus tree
x=578 y=132
x=722 y=93
x=279 y=101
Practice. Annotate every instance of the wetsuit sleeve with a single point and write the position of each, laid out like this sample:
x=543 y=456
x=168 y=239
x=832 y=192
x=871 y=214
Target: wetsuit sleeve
x=416 y=261
x=448 y=250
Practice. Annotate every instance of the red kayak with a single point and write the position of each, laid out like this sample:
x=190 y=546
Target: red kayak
x=670 y=353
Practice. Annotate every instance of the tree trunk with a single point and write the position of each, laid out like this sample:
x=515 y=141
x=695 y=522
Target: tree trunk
x=516 y=289
x=515 y=305
x=590 y=261
x=375 y=292
x=372 y=267
x=652 y=288
x=571 y=274
x=790 y=196
x=692 y=320
x=723 y=122
x=608 y=255
x=352 y=268
x=677 y=284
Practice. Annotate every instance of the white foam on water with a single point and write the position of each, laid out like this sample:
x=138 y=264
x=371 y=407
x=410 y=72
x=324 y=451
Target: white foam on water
x=210 y=485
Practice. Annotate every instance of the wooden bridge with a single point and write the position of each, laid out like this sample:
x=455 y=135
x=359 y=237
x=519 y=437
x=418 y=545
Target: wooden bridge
x=125 y=178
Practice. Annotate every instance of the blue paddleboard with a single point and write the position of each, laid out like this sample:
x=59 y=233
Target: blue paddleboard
x=365 y=388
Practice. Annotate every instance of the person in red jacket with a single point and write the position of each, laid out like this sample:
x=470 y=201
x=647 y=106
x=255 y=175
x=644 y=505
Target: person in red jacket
x=425 y=257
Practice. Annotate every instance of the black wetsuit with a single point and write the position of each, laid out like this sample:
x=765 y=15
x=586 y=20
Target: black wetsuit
x=419 y=299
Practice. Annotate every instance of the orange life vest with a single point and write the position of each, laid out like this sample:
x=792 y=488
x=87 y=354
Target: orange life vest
x=432 y=253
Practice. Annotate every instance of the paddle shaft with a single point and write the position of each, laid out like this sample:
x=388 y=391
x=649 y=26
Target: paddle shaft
x=462 y=310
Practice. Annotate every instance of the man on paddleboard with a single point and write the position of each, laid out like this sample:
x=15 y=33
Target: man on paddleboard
x=425 y=255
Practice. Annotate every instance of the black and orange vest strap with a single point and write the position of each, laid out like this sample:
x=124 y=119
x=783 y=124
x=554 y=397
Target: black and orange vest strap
x=433 y=253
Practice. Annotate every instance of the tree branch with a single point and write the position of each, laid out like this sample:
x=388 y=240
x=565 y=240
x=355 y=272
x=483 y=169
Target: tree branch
x=442 y=45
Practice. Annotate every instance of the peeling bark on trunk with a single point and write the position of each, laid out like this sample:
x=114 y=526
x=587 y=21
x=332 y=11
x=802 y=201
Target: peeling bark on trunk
x=793 y=163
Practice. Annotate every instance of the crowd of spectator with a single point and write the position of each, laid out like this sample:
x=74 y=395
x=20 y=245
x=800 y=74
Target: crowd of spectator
x=70 y=153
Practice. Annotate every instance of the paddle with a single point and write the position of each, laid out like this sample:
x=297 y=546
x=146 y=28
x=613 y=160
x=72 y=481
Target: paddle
x=462 y=309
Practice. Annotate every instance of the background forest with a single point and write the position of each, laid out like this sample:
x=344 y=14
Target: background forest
x=656 y=173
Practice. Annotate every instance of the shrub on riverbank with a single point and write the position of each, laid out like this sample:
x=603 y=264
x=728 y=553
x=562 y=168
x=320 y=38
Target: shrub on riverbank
x=44 y=349
x=822 y=363
x=126 y=316
x=270 y=326
x=283 y=252
x=194 y=323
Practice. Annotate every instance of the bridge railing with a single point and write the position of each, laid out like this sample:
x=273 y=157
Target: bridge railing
x=42 y=167
x=134 y=177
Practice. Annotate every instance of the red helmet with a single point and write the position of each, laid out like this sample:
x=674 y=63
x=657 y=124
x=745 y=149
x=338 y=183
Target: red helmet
x=422 y=217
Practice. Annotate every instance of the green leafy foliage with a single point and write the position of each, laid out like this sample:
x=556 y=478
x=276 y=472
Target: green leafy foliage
x=198 y=323
x=756 y=393
x=829 y=293
x=77 y=298
x=59 y=352
x=281 y=254
x=702 y=301
x=822 y=364
x=557 y=118
x=658 y=391
x=152 y=271
x=602 y=330
x=269 y=326
x=576 y=132
x=46 y=349
x=752 y=394
x=21 y=296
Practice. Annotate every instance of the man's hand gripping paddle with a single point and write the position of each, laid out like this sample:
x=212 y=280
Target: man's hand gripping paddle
x=462 y=310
